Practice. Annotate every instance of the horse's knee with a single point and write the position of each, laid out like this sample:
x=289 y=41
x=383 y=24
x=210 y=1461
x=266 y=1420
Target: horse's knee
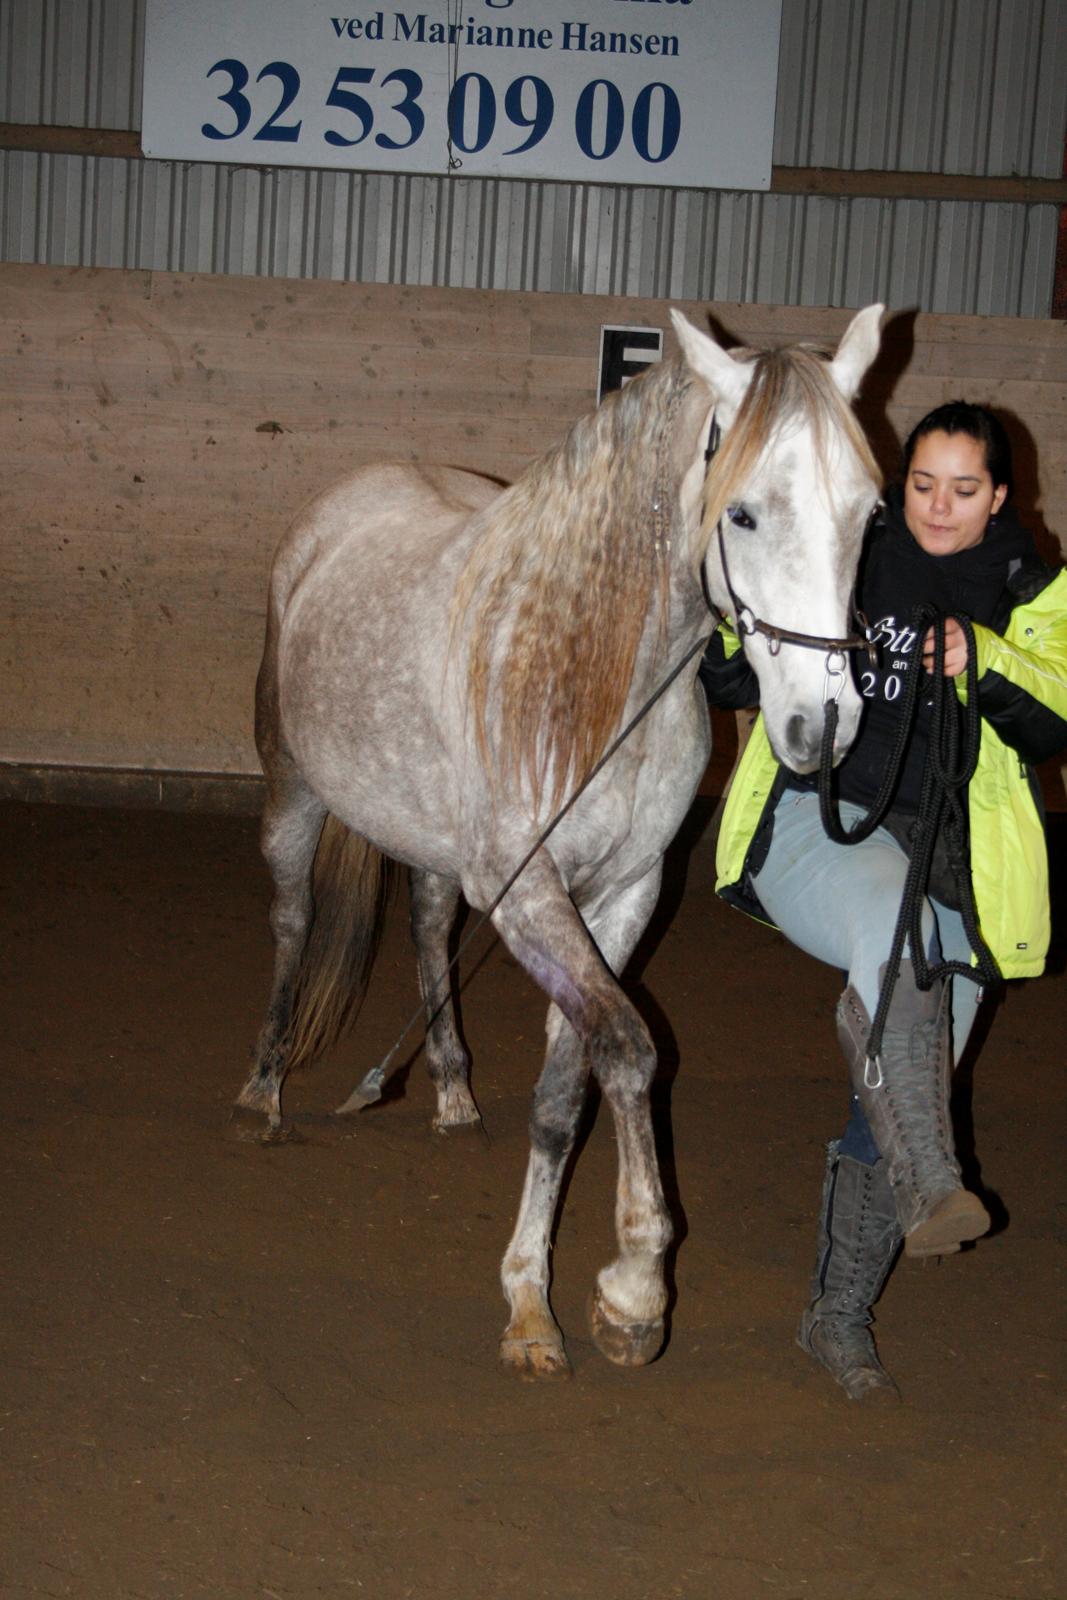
x=552 y=1129
x=557 y=1105
x=622 y=1055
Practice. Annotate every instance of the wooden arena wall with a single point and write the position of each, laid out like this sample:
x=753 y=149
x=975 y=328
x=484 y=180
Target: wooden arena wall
x=157 y=430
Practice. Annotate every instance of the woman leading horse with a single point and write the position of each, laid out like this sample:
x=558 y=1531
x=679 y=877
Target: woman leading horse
x=948 y=537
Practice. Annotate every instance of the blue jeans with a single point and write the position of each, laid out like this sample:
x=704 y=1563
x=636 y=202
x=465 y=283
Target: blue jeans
x=840 y=904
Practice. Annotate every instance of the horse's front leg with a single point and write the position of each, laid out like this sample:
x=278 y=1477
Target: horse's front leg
x=433 y=910
x=547 y=935
x=626 y=1313
x=532 y=1344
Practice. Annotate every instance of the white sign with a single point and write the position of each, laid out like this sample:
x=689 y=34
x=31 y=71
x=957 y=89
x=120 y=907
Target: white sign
x=676 y=92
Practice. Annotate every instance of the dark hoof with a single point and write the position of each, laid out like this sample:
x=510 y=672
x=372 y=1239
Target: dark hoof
x=458 y=1130
x=534 y=1359
x=247 y=1125
x=252 y=1127
x=627 y=1344
x=285 y=1133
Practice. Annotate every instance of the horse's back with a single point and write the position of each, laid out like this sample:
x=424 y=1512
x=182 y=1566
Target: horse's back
x=391 y=511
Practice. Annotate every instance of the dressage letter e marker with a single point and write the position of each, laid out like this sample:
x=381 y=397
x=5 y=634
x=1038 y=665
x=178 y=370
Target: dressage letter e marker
x=624 y=352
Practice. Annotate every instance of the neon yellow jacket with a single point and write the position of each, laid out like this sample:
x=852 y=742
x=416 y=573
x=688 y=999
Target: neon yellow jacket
x=1022 y=674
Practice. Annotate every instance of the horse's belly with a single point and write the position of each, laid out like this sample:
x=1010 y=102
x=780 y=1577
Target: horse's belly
x=363 y=715
x=391 y=784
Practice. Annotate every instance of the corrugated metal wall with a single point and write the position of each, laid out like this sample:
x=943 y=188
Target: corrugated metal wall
x=915 y=85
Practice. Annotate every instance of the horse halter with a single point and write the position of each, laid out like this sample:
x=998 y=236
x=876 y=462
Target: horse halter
x=747 y=622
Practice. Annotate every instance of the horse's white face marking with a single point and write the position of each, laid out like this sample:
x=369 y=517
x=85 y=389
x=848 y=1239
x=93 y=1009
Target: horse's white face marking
x=795 y=569
x=793 y=544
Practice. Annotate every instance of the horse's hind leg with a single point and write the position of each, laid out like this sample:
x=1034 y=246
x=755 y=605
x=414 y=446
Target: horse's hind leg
x=433 y=910
x=605 y=1032
x=292 y=823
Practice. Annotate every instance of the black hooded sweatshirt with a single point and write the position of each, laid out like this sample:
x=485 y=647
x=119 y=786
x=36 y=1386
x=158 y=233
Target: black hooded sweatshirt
x=897 y=575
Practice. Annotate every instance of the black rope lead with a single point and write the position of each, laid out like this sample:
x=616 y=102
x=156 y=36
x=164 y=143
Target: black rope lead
x=948 y=769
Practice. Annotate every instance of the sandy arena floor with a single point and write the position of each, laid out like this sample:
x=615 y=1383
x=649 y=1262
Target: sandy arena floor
x=238 y=1371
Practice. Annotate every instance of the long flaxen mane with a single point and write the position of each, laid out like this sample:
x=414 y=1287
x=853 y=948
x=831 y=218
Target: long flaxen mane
x=558 y=589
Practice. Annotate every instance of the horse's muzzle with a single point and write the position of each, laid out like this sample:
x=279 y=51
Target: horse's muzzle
x=802 y=742
x=802 y=737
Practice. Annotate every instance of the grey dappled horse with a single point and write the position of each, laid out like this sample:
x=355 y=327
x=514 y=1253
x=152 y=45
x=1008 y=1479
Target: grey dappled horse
x=445 y=663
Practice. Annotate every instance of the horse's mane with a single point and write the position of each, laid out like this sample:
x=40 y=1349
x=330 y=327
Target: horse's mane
x=563 y=577
x=558 y=588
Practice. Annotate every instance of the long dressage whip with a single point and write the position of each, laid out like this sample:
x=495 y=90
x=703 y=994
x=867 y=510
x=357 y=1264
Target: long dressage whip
x=370 y=1088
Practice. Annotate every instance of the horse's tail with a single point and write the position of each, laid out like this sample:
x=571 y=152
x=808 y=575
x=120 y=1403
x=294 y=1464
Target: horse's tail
x=352 y=883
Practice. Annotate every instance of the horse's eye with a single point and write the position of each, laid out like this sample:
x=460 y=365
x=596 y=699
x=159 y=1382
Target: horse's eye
x=740 y=517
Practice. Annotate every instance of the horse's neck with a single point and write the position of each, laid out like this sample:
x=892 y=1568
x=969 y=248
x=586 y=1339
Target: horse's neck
x=689 y=614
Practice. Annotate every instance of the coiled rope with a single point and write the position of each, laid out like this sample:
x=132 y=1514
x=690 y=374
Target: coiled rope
x=951 y=758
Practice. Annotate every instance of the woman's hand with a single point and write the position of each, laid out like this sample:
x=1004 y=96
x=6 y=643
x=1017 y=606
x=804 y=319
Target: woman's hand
x=955 y=649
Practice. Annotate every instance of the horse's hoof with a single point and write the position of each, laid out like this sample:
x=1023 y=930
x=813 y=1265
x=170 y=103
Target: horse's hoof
x=534 y=1358
x=247 y=1124
x=627 y=1344
x=447 y=1125
x=457 y=1130
x=281 y=1133
x=456 y=1110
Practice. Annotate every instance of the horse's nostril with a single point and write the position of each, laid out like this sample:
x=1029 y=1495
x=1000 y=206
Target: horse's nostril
x=796 y=731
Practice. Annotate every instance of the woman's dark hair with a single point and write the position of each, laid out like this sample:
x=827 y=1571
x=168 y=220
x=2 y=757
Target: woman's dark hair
x=959 y=416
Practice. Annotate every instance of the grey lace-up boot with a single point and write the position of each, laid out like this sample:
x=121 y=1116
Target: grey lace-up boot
x=904 y=1093
x=858 y=1240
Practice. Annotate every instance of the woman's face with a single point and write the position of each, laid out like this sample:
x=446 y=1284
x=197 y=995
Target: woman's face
x=949 y=495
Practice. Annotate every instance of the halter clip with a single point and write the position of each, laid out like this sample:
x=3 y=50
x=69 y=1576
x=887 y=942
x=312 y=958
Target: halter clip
x=835 y=676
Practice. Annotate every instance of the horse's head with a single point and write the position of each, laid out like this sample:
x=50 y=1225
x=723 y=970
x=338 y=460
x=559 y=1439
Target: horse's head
x=787 y=498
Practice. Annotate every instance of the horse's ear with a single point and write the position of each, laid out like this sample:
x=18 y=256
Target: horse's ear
x=858 y=348
x=724 y=376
